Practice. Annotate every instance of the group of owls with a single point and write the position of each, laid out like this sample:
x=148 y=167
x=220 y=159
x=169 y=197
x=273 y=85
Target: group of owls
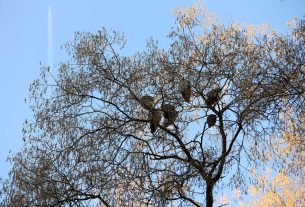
x=155 y=115
x=212 y=98
x=169 y=111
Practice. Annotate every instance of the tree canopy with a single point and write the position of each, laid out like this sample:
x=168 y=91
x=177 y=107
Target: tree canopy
x=161 y=127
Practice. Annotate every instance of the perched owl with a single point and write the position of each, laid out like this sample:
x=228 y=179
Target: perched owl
x=147 y=102
x=211 y=120
x=170 y=114
x=155 y=118
x=186 y=90
x=213 y=96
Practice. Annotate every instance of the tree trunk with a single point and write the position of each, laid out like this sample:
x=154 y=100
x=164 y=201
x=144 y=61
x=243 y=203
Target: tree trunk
x=209 y=196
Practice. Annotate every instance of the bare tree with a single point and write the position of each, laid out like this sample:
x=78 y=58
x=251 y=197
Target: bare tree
x=159 y=127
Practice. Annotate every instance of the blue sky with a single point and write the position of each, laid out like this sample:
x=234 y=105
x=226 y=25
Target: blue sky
x=24 y=39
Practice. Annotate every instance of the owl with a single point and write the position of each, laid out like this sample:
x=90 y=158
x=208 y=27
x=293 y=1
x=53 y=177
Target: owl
x=211 y=120
x=170 y=114
x=213 y=96
x=147 y=102
x=155 y=118
x=186 y=90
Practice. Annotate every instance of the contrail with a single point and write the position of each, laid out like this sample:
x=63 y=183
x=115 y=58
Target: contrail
x=50 y=38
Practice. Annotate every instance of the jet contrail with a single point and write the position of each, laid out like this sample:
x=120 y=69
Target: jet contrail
x=50 y=38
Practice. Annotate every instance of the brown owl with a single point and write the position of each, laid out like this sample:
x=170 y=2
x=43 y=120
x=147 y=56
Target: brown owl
x=213 y=96
x=211 y=120
x=170 y=114
x=186 y=90
x=147 y=102
x=155 y=118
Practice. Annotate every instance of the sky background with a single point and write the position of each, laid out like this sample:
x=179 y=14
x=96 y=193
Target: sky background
x=24 y=40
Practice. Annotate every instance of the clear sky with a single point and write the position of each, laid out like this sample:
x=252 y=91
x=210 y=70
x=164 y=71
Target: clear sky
x=24 y=39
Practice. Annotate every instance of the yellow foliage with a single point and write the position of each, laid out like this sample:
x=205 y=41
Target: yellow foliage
x=197 y=14
x=281 y=191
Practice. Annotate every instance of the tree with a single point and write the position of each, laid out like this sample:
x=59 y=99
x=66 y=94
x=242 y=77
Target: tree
x=159 y=127
x=283 y=185
x=286 y=188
